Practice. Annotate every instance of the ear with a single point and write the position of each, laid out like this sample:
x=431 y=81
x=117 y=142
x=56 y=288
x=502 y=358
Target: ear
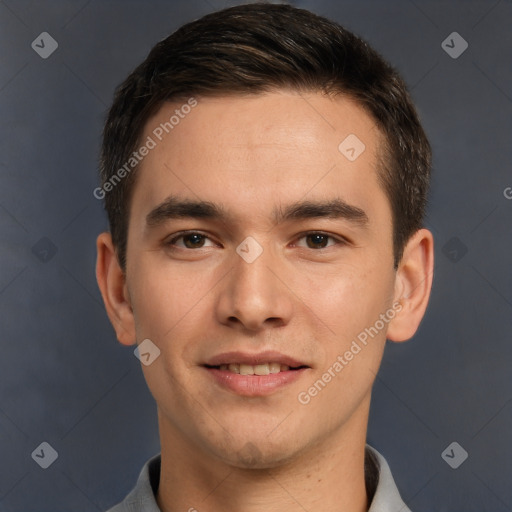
x=112 y=284
x=413 y=283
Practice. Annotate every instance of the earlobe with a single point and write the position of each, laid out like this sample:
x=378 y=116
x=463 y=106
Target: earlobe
x=413 y=285
x=112 y=283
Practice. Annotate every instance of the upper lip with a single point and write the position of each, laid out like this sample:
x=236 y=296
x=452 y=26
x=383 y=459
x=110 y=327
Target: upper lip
x=268 y=356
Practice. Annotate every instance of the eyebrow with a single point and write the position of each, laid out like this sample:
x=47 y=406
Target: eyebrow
x=175 y=208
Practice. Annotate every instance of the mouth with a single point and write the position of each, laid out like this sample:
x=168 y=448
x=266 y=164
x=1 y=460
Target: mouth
x=268 y=358
x=257 y=369
x=254 y=374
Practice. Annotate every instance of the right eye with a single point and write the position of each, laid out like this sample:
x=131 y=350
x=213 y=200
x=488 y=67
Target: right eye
x=191 y=240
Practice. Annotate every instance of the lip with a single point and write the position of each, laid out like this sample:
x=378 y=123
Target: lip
x=254 y=385
x=267 y=356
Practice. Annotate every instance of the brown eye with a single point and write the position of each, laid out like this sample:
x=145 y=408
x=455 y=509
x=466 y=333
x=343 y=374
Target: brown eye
x=318 y=240
x=193 y=241
x=190 y=241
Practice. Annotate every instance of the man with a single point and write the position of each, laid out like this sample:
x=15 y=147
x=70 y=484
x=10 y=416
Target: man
x=265 y=177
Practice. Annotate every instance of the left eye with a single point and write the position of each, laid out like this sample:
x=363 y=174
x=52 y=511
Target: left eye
x=319 y=240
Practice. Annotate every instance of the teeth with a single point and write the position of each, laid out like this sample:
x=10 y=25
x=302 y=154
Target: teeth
x=246 y=369
x=261 y=369
x=258 y=369
x=274 y=367
x=235 y=368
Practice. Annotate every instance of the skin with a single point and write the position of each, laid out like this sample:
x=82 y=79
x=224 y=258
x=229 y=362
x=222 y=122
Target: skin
x=304 y=297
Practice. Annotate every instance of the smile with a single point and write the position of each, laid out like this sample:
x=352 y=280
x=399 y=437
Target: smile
x=252 y=381
x=258 y=369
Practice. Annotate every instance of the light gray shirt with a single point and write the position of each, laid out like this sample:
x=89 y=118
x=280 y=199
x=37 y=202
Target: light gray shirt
x=380 y=486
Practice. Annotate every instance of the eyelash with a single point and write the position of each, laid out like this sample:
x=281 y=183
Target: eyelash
x=339 y=241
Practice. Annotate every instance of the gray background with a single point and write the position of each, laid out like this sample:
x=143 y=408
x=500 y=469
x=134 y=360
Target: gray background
x=65 y=380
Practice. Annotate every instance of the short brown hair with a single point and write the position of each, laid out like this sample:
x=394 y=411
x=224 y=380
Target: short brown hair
x=256 y=48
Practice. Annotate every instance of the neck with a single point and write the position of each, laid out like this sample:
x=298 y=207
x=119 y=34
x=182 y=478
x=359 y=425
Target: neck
x=328 y=476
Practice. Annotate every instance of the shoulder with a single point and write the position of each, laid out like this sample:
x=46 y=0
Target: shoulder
x=142 y=498
x=386 y=497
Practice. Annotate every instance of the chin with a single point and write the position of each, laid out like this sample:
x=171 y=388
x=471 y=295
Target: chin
x=256 y=454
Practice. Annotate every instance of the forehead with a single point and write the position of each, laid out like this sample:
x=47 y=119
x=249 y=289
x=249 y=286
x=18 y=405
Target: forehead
x=249 y=152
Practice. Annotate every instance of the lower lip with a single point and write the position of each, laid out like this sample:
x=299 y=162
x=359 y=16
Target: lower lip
x=254 y=385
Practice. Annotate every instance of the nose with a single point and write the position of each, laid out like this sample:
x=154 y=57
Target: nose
x=255 y=294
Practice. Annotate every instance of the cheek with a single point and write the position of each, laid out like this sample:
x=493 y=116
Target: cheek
x=174 y=305
x=162 y=297
x=348 y=303
x=348 y=300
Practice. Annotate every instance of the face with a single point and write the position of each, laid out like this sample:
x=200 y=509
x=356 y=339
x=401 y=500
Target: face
x=286 y=259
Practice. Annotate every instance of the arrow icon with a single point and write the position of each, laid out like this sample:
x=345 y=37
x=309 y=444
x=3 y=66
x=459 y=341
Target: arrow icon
x=44 y=45
x=249 y=249
x=44 y=249
x=454 y=45
x=452 y=454
x=44 y=455
x=351 y=147
x=454 y=249
x=146 y=352
x=453 y=254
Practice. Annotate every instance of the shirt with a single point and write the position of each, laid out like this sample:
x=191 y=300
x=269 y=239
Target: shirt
x=383 y=494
